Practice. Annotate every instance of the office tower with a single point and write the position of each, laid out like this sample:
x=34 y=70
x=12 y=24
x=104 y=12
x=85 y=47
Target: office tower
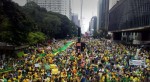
x=103 y=13
x=93 y=25
x=58 y=6
x=75 y=19
x=129 y=20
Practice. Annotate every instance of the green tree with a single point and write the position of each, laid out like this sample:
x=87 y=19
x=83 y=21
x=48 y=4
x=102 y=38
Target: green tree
x=52 y=25
x=15 y=25
x=36 y=37
x=22 y=25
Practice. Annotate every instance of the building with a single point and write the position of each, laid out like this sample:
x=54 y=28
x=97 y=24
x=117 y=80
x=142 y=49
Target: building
x=58 y=6
x=103 y=14
x=129 y=21
x=75 y=19
x=93 y=25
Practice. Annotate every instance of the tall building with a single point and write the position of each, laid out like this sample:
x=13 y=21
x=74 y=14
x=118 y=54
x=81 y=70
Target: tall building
x=58 y=6
x=103 y=13
x=75 y=19
x=129 y=20
x=93 y=25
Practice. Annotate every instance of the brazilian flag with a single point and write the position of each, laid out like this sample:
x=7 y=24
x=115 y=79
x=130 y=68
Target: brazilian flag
x=42 y=55
x=20 y=54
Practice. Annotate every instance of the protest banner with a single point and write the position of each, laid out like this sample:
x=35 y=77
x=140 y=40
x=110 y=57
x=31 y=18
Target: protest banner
x=136 y=62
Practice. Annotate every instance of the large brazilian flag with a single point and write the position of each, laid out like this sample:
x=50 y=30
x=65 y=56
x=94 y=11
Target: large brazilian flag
x=63 y=48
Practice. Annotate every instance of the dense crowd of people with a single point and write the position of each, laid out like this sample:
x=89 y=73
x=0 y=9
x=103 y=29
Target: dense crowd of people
x=101 y=61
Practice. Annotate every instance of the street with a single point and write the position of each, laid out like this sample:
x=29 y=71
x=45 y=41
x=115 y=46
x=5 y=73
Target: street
x=101 y=61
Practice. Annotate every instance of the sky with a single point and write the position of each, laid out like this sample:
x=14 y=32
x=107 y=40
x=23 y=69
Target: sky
x=89 y=10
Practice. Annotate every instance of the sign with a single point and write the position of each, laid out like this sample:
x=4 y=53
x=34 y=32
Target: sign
x=136 y=62
x=37 y=65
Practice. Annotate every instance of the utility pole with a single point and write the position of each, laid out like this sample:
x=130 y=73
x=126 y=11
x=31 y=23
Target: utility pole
x=80 y=28
x=81 y=13
x=78 y=44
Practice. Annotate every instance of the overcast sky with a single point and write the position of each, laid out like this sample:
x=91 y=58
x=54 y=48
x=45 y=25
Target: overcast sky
x=89 y=10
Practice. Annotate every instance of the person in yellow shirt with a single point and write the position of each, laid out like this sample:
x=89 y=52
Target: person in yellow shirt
x=63 y=61
x=35 y=75
x=15 y=79
x=136 y=79
x=29 y=68
x=50 y=60
x=42 y=71
x=47 y=79
x=102 y=79
x=10 y=80
x=19 y=74
x=26 y=80
x=80 y=56
x=148 y=61
x=74 y=63
x=131 y=78
x=63 y=73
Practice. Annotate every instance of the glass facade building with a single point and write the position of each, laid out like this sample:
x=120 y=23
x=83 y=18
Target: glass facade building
x=129 y=14
x=103 y=13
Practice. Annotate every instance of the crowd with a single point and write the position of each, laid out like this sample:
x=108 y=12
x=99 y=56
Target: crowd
x=101 y=61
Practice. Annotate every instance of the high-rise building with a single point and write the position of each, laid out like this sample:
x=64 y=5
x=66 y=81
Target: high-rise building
x=129 y=20
x=75 y=19
x=102 y=16
x=93 y=25
x=58 y=6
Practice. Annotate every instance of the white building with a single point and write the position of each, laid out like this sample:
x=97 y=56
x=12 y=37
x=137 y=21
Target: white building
x=58 y=6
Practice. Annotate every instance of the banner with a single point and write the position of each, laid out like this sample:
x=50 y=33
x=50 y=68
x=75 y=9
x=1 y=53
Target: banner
x=136 y=62
x=63 y=48
x=37 y=65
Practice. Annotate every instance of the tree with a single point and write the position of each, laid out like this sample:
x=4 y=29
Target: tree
x=15 y=24
x=52 y=25
x=21 y=25
x=36 y=37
